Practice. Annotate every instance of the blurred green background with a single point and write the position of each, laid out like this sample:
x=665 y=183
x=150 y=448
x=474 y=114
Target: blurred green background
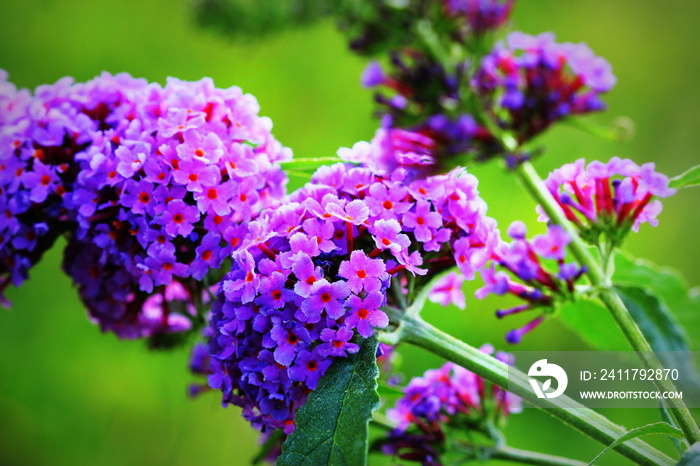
x=71 y=395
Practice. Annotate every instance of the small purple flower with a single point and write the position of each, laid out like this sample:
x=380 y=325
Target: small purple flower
x=307 y=274
x=387 y=236
x=448 y=290
x=423 y=221
x=308 y=367
x=40 y=182
x=362 y=272
x=372 y=75
x=517 y=230
x=216 y=198
x=179 y=218
x=290 y=338
x=552 y=245
x=365 y=314
x=337 y=342
x=325 y=298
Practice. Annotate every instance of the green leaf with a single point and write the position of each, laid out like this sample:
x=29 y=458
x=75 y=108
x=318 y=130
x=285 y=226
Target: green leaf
x=594 y=324
x=663 y=334
x=253 y=19
x=654 y=319
x=656 y=428
x=679 y=444
x=687 y=179
x=332 y=426
x=691 y=457
x=665 y=283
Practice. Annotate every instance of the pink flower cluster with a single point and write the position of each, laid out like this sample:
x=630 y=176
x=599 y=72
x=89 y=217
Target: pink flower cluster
x=530 y=82
x=608 y=198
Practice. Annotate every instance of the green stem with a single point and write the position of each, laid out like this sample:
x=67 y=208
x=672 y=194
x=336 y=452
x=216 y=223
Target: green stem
x=530 y=457
x=312 y=161
x=612 y=301
x=420 y=333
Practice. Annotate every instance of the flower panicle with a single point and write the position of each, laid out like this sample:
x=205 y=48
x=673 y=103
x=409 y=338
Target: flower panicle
x=480 y=16
x=151 y=185
x=311 y=277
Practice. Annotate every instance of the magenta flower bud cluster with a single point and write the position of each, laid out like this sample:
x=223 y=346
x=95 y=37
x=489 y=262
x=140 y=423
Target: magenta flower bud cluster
x=532 y=81
x=608 y=198
x=441 y=400
x=152 y=185
x=480 y=15
x=311 y=278
x=521 y=269
x=420 y=94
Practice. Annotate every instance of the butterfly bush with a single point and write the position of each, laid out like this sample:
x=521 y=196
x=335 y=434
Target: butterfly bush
x=311 y=278
x=441 y=403
x=417 y=93
x=480 y=15
x=530 y=82
x=153 y=186
x=525 y=269
x=30 y=188
x=608 y=198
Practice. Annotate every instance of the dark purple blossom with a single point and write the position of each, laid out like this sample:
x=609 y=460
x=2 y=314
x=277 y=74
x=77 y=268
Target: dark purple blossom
x=480 y=15
x=532 y=81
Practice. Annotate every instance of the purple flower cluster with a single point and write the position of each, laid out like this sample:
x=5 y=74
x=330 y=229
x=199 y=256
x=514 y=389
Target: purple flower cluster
x=480 y=15
x=442 y=400
x=391 y=149
x=30 y=186
x=608 y=198
x=533 y=81
x=518 y=268
x=311 y=278
x=153 y=185
x=421 y=95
